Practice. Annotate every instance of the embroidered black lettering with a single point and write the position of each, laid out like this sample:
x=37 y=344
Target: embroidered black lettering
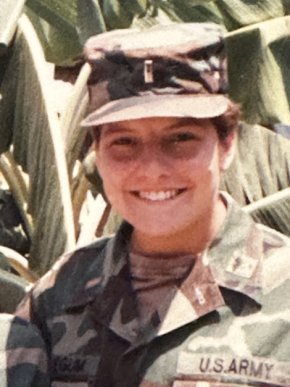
x=204 y=365
x=256 y=369
x=218 y=365
x=268 y=370
x=244 y=365
x=233 y=367
x=66 y=364
x=79 y=365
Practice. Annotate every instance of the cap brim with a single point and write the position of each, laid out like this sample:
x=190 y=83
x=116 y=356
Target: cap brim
x=195 y=106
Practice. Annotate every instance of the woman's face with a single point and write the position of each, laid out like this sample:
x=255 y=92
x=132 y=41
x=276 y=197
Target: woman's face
x=162 y=174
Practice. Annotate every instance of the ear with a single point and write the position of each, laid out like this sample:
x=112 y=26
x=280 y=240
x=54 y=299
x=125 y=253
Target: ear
x=227 y=150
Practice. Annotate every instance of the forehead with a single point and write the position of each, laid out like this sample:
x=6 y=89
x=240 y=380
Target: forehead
x=155 y=124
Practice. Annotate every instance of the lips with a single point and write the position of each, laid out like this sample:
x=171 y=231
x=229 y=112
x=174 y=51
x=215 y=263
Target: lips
x=158 y=196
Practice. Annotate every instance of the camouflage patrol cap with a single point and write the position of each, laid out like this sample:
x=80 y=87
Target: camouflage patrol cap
x=177 y=70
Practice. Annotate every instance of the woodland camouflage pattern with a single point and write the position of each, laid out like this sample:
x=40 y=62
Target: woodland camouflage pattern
x=23 y=360
x=163 y=69
x=227 y=325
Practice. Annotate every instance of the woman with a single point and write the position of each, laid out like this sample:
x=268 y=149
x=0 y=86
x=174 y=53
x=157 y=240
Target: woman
x=190 y=291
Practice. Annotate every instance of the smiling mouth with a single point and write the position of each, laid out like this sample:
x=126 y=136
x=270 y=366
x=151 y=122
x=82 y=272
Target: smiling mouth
x=158 y=196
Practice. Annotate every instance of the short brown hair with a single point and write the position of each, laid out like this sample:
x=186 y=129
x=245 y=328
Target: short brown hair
x=228 y=121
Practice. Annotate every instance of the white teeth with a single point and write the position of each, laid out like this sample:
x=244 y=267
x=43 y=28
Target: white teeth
x=157 y=196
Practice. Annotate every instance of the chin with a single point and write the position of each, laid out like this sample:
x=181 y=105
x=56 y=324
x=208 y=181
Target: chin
x=156 y=228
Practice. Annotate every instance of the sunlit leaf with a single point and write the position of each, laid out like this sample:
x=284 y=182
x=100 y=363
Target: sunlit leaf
x=92 y=214
x=76 y=108
x=17 y=186
x=240 y=13
x=191 y=11
x=10 y=12
x=259 y=71
x=64 y=26
x=61 y=44
x=18 y=263
x=74 y=137
x=38 y=146
x=90 y=20
x=120 y=13
x=60 y=14
x=12 y=287
x=260 y=175
x=261 y=166
x=274 y=211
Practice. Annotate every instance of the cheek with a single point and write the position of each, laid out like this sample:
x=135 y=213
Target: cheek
x=206 y=170
x=109 y=171
x=114 y=180
x=206 y=160
x=111 y=180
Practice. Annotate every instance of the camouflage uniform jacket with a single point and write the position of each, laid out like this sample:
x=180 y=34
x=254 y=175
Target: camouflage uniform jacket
x=23 y=360
x=228 y=323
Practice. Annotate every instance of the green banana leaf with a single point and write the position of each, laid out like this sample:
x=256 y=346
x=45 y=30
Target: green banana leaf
x=15 y=180
x=63 y=26
x=190 y=11
x=12 y=227
x=12 y=287
x=77 y=20
x=261 y=170
x=9 y=14
x=241 y=13
x=28 y=113
x=273 y=211
x=90 y=19
x=259 y=71
x=74 y=139
x=12 y=261
x=258 y=43
x=120 y=13
x=76 y=108
x=261 y=166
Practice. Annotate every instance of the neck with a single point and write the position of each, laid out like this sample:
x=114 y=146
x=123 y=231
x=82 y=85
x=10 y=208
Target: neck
x=193 y=239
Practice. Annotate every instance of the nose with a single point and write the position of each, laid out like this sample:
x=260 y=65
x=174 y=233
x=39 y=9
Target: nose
x=153 y=162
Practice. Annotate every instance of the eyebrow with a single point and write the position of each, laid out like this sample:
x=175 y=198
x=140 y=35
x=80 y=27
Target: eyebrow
x=114 y=128
x=183 y=122
x=180 y=122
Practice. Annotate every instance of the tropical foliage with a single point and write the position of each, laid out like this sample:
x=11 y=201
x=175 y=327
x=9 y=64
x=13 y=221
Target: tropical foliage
x=43 y=99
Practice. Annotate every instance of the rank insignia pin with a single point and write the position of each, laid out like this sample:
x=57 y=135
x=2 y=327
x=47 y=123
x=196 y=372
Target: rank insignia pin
x=148 y=71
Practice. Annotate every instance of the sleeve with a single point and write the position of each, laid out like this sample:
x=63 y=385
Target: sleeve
x=22 y=353
x=34 y=306
x=37 y=305
x=24 y=309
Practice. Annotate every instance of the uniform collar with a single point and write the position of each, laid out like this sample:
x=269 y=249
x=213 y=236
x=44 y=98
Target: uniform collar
x=233 y=262
x=236 y=255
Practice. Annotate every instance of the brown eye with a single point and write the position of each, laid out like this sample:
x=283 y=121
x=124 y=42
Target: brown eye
x=125 y=141
x=181 y=144
x=123 y=148
x=182 y=137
